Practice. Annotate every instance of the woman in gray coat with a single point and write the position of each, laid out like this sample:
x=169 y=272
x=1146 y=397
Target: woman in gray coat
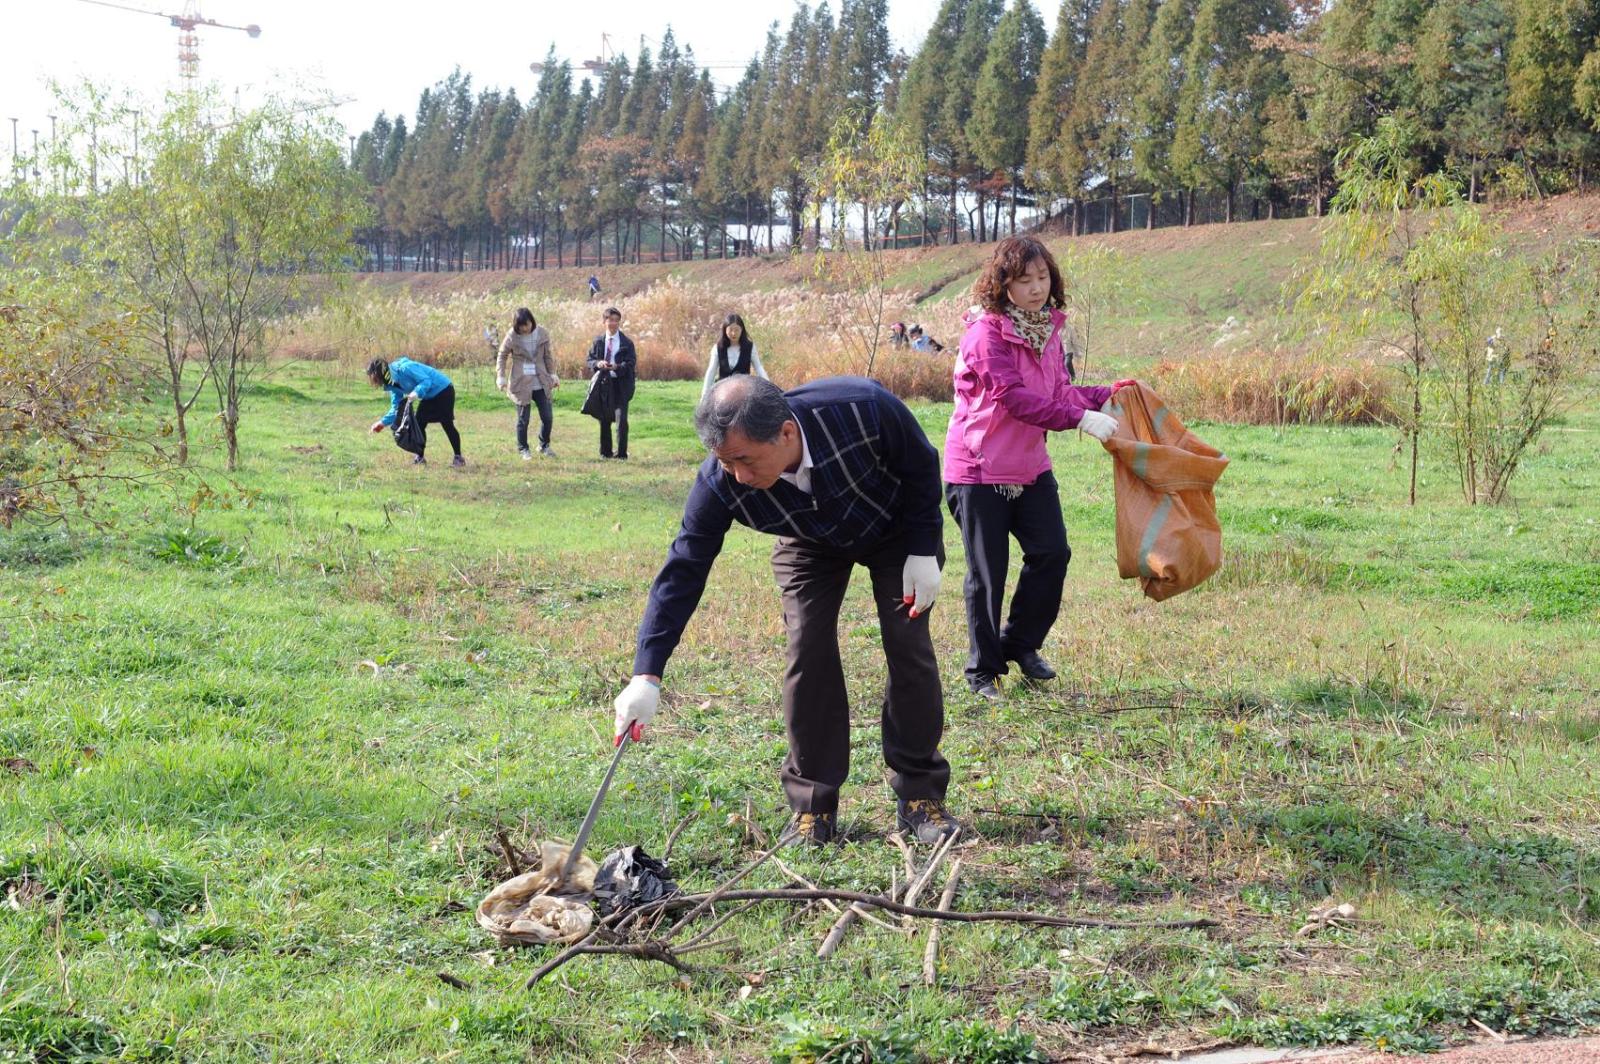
x=524 y=370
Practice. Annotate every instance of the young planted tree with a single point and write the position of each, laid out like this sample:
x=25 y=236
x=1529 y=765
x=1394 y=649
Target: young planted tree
x=1543 y=318
x=1096 y=279
x=64 y=394
x=878 y=169
x=1379 y=261
x=235 y=215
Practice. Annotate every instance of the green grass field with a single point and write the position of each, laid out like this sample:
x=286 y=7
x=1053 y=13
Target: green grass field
x=253 y=768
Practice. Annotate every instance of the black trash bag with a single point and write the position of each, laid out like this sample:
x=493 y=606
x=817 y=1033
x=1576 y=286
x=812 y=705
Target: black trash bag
x=408 y=435
x=629 y=878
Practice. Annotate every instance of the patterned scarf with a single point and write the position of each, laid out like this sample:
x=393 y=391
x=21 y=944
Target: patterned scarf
x=1033 y=326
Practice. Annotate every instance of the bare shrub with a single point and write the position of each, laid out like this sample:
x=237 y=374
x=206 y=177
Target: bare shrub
x=1277 y=388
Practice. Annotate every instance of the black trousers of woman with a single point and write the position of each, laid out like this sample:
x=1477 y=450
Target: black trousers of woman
x=988 y=519
x=441 y=411
x=541 y=399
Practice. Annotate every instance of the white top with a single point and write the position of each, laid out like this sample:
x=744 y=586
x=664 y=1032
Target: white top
x=800 y=478
x=711 y=370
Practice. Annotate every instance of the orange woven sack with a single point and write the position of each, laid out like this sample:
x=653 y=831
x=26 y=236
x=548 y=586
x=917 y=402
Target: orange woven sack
x=1167 y=530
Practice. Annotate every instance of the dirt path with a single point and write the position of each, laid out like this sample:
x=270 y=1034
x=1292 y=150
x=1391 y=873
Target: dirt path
x=1544 y=1051
x=1550 y=1051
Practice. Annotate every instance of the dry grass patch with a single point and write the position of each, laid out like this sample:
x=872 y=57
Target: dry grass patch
x=1277 y=388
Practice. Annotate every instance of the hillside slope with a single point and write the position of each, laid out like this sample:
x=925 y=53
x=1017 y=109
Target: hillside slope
x=1191 y=281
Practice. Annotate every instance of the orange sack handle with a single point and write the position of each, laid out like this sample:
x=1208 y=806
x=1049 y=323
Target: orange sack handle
x=1167 y=530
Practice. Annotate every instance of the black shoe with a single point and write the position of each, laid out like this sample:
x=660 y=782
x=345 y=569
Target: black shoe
x=925 y=819
x=816 y=829
x=622 y=458
x=1032 y=665
x=604 y=455
x=984 y=687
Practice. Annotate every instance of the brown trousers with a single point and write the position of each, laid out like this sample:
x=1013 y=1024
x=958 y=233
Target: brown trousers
x=816 y=710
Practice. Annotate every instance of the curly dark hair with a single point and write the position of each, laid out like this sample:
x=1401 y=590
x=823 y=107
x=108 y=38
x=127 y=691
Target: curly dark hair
x=1010 y=261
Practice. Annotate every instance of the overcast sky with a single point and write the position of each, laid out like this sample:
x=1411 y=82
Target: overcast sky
x=379 y=55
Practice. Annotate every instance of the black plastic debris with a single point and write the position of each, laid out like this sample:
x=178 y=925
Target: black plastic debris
x=628 y=878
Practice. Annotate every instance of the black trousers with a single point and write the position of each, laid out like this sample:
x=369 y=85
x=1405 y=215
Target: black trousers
x=816 y=708
x=988 y=520
x=541 y=399
x=441 y=411
x=620 y=415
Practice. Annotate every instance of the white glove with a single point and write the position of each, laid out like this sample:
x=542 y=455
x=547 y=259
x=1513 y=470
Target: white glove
x=414 y=397
x=919 y=582
x=637 y=704
x=500 y=384
x=1098 y=425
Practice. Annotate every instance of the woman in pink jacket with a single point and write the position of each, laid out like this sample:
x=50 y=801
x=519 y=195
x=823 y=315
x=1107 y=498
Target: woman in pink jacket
x=1011 y=389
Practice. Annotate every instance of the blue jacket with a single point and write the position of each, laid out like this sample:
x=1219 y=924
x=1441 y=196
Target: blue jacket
x=874 y=479
x=405 y=377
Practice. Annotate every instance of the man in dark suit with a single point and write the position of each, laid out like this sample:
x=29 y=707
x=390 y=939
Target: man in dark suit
x=612 y=355
x=841 y=472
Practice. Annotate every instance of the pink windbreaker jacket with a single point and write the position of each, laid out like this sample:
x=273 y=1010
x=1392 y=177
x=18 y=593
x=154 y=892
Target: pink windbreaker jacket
x=1007 y=398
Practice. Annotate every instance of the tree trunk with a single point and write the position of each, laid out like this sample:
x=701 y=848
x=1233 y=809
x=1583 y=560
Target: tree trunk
x=230 y=430
x=1113 y=221
x=1227 y=215
x=1188 y=207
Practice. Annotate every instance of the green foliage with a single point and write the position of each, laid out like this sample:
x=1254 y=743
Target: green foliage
x=977 y=1042
x=1504 y=1000
x=194 y=548
x=806 y=1040
x=30 y=1033
x=1100 y=999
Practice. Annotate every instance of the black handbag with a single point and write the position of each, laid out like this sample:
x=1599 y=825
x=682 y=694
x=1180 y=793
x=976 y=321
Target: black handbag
x=597 y=402
x=408 y=434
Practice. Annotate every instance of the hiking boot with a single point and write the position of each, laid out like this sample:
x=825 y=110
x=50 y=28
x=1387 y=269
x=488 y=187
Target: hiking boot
x=1032 y=665
x=925 y=819
x=817 y=829
x=984 y=687
x=525 y=454
x=417 y=459
x=457 y=462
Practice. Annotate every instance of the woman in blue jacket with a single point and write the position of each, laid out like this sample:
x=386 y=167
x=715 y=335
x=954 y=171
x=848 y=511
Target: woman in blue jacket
x=431 y=392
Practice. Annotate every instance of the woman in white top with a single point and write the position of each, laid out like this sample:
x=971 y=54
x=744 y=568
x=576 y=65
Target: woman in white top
x=525 y=372
x=734 y=353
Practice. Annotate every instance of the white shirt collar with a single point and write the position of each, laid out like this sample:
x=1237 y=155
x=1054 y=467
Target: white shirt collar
x=801 y=477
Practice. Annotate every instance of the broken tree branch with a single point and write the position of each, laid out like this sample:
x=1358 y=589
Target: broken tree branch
x=930 y=955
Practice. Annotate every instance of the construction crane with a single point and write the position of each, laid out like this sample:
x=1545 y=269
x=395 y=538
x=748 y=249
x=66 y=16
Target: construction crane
x=187 y=23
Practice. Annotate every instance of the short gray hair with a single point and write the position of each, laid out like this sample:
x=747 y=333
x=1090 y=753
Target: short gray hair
x=753 y=405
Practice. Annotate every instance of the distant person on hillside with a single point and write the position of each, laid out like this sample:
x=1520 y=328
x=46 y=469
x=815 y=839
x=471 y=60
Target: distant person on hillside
x=841 y=473
x=594 y=286
x=525 y=372
x=1011 y=389
x=1496 y=359
x=922 y=342
x=431 y=393
x=897 y=336
x=612 y=361
x=734 y=352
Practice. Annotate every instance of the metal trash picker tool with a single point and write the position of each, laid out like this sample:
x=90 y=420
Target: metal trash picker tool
x=631 y=734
